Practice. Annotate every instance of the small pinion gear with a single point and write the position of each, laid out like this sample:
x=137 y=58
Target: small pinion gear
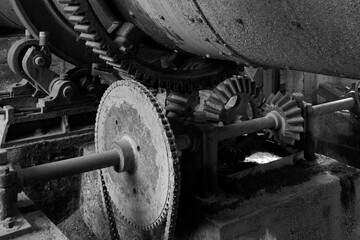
x=291 y=125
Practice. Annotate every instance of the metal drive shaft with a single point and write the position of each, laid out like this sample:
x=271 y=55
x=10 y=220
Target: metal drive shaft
x=270 y=121
x=70 y=167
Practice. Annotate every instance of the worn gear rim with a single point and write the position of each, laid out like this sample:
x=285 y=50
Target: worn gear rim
x=170 y=208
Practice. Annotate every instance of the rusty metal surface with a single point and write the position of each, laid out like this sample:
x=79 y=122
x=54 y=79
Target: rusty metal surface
x=143 y=198
x=313 y=36
x=8 y=17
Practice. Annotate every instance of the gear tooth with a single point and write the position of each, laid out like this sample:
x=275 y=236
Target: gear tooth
x=270 y=97
x=106 y=58
x=295 y=121
x=72 y=9
x=212 y=117
x=235 y=83
x=247 y=82
x=88 y=36
x=230 y=86
x=83 y=28
x=220 y=96
x=294 y=111
x=224 y=90
x=297 y=129
x=94 y=44
x=176 y=108
x=284 y=99
x=276 y=98
x=288 y=105
x=241 y=84
x=77 y=19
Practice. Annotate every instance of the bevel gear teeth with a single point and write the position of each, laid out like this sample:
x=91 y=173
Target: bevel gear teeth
x=292 y=121
x=83 y=27
x=176 y=105
x=216 y=100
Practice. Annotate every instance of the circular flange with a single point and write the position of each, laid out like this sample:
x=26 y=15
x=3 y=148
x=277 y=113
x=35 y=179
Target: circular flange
x=143 y=196
x=17 y=52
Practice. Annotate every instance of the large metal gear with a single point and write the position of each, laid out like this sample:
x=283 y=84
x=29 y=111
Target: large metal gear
x=147 y=196
x=229 y=101
x=191 y=75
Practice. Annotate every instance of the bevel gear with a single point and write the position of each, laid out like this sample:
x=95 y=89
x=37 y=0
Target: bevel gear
x=229 y=101
x=291 y=126
x=148 y=196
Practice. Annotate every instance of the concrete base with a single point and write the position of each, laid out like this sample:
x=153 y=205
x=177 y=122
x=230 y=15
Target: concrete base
x=322 y=203
x=324 y=206
x=35 y=225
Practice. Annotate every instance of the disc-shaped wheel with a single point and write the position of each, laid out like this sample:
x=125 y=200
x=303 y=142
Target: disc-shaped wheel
x=143 y=196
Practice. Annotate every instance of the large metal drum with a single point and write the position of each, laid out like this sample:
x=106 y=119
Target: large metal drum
x=315 y=36
x=8 y=17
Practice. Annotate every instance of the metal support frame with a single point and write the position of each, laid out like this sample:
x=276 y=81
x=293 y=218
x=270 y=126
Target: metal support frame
x=211 y=137
x=311 y=112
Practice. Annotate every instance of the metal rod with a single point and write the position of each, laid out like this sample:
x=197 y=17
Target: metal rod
x=70 y=167
x=251 y=126
x=311 y=112
x=330 y=107
x=309 y=136
x=210 y=163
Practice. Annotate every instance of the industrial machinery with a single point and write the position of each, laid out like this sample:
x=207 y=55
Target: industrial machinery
x=174 y=92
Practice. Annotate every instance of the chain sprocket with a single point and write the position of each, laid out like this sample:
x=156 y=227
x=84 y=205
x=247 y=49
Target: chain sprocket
x=131 y=66
x=142 y=109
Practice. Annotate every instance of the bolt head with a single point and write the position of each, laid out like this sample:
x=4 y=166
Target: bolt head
x=68 y=92
x=8 y=222
x=3 y=157
x=40 y=61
